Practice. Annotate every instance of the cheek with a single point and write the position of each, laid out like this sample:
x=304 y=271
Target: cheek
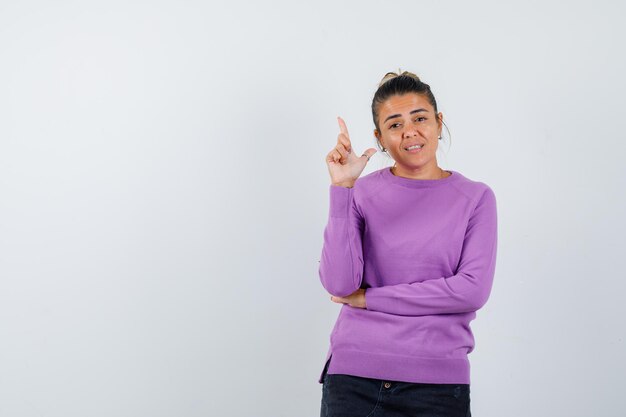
x=428 y=129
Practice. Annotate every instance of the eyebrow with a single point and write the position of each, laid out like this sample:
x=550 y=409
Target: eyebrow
x=398 y=115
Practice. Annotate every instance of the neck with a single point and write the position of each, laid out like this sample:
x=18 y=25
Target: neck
x=420 y=174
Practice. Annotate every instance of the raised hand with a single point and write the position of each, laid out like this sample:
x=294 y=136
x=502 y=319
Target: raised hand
x=344 y=165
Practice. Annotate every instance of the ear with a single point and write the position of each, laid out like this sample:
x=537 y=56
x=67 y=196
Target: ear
x=377 y=134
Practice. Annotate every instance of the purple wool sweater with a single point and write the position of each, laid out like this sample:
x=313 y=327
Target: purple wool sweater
x=425 y=251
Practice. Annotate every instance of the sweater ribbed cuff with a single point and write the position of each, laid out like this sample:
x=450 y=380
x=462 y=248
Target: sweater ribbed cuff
x=340 y=199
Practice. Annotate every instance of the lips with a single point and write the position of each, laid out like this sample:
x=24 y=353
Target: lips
x=413 y=144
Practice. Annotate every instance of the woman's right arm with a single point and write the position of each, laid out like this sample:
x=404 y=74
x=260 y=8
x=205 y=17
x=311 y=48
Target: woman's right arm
x=341 y=264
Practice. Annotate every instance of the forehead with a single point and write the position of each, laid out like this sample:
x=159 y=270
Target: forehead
x=403 y=104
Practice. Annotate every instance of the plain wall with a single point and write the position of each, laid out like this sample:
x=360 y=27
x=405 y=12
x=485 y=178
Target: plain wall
x=163 y=194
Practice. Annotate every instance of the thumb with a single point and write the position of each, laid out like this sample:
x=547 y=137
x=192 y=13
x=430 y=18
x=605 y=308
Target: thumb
x=369 y=153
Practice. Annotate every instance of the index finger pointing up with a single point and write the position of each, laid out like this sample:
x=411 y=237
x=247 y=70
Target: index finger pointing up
x=343 y=127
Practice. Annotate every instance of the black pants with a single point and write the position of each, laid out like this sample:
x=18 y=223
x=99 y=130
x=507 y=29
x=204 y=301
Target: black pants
x=354 y=396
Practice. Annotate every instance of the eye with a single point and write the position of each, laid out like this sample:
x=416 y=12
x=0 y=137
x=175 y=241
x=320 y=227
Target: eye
x=419 y=118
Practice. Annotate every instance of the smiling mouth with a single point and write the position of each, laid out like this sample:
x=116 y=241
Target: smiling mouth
x=414 y=147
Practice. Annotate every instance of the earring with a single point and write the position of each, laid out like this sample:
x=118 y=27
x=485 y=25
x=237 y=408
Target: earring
x=384 y=150
x=439 y=137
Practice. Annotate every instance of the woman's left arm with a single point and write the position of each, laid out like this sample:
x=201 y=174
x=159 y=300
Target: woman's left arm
x=467 y=290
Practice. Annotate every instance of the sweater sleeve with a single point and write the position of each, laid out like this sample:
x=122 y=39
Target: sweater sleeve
x=341 y=264
x=465 y=291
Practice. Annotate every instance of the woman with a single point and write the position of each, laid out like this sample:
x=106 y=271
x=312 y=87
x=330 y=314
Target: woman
x=410 y=252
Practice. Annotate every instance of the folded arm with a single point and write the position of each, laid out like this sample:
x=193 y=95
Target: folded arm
x=465 y=291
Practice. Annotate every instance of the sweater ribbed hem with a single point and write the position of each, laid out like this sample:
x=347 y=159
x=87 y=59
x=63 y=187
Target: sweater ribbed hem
x=399 y=368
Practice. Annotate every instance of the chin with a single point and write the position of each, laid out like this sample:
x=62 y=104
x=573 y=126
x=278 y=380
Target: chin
x=414 y=163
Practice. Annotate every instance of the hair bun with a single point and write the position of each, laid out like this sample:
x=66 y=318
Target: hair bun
x=391 y=75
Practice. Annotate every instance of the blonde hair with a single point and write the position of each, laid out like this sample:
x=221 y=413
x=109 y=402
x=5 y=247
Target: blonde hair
x=391 y=75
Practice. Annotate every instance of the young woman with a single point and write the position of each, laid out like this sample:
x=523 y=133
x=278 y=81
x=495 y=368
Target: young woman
x=410 y=252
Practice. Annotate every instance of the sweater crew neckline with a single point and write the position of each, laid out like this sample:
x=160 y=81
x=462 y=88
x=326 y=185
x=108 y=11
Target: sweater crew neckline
x=416 y=183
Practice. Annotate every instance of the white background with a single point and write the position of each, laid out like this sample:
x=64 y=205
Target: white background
x=163 y=194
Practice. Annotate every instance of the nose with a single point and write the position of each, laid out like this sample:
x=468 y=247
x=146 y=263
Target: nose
x=410 y=132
